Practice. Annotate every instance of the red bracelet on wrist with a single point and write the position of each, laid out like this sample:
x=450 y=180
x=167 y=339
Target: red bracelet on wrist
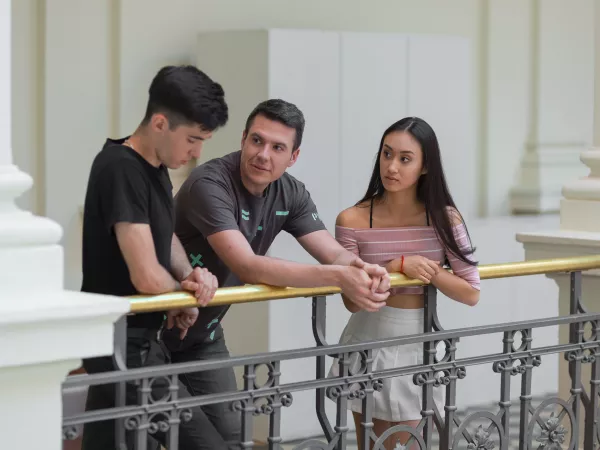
x=402 y=264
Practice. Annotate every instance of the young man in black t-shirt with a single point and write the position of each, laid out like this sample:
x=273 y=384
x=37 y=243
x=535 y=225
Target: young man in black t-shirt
x=228 y=213
x=129 y=246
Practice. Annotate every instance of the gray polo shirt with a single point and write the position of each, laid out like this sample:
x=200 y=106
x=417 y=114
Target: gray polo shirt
x=213 y=199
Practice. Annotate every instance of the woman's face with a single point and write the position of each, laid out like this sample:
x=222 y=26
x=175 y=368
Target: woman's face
x=400 y=161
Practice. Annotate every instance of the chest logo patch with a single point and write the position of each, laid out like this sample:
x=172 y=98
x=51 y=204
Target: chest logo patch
x=245 y=214
x=281 y=213
x=315 y=216
x=195 y=260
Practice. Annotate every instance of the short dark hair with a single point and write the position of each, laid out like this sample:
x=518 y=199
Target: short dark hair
x=282 y=112
x=186 y=95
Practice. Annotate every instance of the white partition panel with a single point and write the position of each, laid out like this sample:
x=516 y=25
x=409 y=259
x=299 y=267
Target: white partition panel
x=439 y=92
x=373 y=96
x=304 y=69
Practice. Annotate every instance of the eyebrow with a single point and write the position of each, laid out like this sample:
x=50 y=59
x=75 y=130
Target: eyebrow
x=255 y=134
x=400 y=151
x=200 y=138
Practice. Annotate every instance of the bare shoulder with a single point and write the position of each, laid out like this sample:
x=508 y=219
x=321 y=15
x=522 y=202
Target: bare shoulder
x=353 y=217
x=454 y=215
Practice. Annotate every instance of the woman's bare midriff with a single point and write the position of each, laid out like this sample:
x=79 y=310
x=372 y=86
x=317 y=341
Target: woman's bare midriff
x=406 y=301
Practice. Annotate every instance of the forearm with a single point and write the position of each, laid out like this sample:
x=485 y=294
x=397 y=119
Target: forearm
x=456 y=288
x=278 y=272
x=394 y=266
x=155 y=280
x=343 y=258
x=180 y=265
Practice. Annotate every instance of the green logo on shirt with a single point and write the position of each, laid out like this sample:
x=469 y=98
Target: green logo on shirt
x=245 y=215
x=315 y=216
x=260 y=228
x=281 y=213
x=195 y=260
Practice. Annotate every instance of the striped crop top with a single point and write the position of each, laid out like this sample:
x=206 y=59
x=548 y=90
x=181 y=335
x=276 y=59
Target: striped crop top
x=382 y=245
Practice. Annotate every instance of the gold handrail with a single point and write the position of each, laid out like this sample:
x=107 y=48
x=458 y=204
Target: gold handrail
x=259 y=292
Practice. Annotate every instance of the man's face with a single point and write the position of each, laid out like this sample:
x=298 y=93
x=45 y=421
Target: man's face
x=177 y=147
x=267 y=151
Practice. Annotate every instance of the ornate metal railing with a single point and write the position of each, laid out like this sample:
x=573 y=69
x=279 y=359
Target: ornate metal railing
x=552 y=424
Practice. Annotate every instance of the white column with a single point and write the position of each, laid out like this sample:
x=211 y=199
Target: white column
x=561 y=90
x=579 y=232
x=596 y=141
x=5 y=123
x=45 y=330
x=580 y=207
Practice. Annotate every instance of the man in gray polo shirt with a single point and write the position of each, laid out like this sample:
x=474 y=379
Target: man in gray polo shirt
x=227 y=214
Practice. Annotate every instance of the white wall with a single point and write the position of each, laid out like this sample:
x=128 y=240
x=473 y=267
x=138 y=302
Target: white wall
x=96 y=84
x=27 y=79
x=143 y=50
x=506 y=98
x=566 y=58
x=99 y=61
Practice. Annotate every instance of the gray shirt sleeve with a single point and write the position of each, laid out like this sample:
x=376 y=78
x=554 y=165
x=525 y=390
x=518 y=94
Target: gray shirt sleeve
x=210 y=206
x=304 y=217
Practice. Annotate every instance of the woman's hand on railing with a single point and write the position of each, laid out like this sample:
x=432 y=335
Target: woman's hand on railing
x=420 y=268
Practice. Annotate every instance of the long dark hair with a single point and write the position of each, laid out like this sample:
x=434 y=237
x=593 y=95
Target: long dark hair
x=432 y=189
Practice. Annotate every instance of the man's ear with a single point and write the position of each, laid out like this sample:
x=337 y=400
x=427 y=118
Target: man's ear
x=159 y=122
x=244 y=135
x=294 y=157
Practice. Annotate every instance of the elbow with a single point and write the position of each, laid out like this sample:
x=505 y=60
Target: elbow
x=246 y=272
x=473 y=298
x=247 y=276
x=145 y=282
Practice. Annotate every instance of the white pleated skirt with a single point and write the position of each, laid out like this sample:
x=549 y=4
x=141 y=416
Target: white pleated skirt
x=400 y=400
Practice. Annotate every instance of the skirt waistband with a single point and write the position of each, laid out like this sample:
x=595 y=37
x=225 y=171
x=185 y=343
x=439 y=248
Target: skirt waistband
x=400 y=313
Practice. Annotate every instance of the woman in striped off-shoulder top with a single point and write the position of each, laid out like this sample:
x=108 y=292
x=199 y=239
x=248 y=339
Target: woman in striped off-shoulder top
x=407 y=222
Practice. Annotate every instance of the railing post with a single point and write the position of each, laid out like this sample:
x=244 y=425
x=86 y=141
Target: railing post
x=525 y=397
x=275 y=413
x=367 y=402
x=505 y=377
x=341 y=425
x=247 y=407
x=120 y=361
x=575 y=357
x=429 y=352
x=319 y=309
x=591 y=413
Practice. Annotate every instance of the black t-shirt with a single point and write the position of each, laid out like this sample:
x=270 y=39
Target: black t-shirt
x=214 y=199
x=124 y=187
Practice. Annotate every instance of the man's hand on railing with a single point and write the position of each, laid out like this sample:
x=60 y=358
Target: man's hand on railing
x=362 y=289
x=380 y=278
x=202 y=283
x=182 y=318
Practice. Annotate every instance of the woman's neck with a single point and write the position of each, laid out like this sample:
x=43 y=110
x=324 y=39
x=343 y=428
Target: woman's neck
x=405 y=201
